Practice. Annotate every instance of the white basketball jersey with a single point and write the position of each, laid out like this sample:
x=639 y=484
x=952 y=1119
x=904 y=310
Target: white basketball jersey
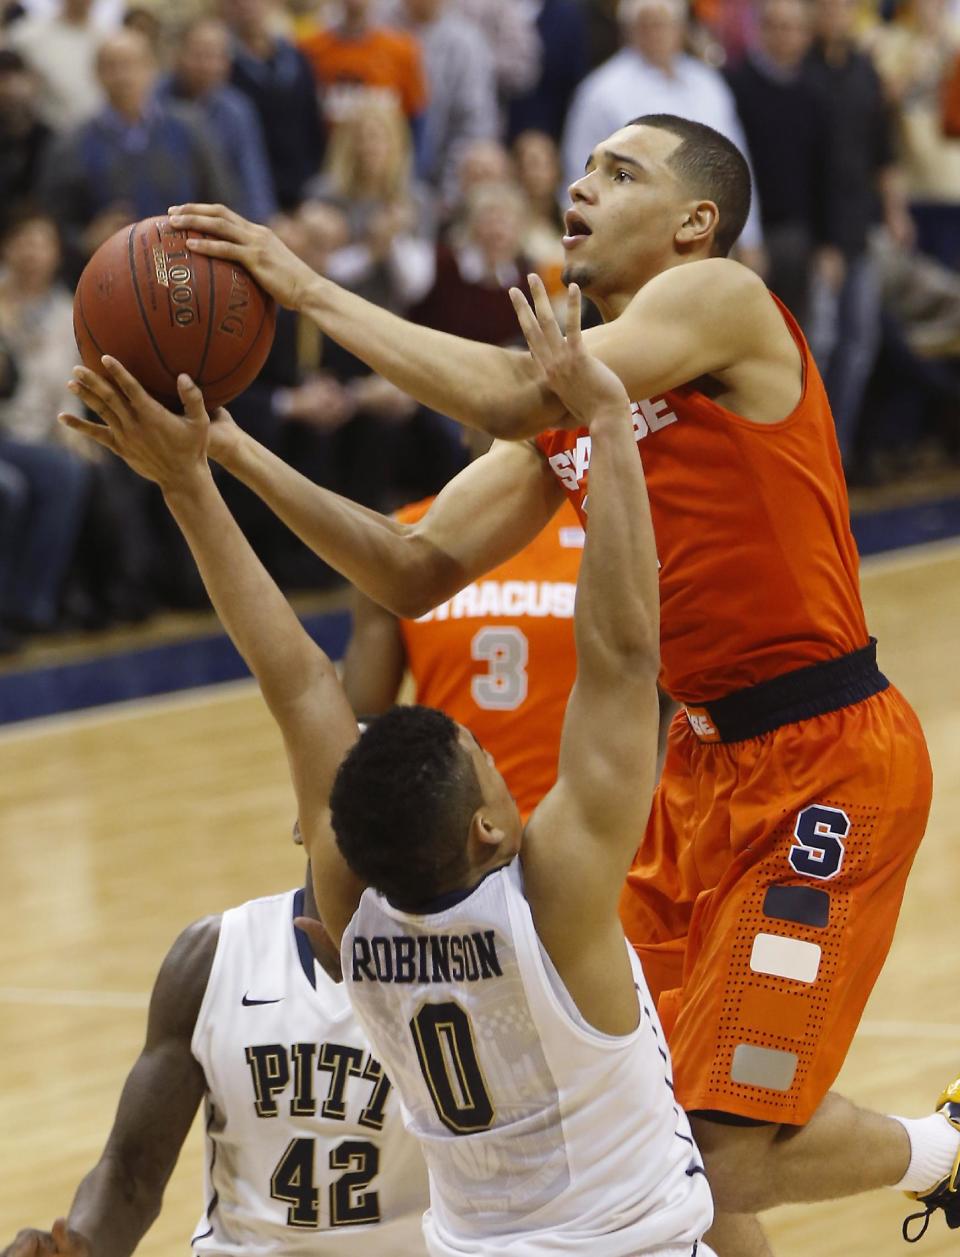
x=541 y=1134
x=306 y=1148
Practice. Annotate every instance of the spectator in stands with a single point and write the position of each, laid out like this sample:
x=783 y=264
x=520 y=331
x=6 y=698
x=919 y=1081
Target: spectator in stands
x=201 y=77
x=913 y=57
x=511 y=33
x=357 y=56
x=562 y=26
x=652 y=74
x=24 y=138
x=537 y=162
x=786 y=122
x=45 y=482
x=469 y=295
x=731 y=24
x=62 y=49
x=461 y=88
x=134 y=158
x=865 y=188
x=391 y=221
x=278 y=80
x=480 y=161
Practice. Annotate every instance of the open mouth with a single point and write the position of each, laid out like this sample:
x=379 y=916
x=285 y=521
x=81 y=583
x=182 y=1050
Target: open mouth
x=576 y=229
x=575 y=225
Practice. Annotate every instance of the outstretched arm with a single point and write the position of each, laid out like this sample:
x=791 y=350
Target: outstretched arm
x=488 y=512
x=297 y=680
x=375 y=662
x=580 y=840
x=118 y=1201
x=668 y=335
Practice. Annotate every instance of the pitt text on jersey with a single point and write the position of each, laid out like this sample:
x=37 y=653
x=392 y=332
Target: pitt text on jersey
x=274 y=1066
x=426 y=958
x=571 y=466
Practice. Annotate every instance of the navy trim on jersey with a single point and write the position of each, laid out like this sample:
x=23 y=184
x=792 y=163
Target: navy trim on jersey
x=445 y=901
x=215 y=1199
x=304 y=950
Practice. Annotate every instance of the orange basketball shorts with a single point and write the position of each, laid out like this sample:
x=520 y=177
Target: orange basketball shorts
x=763 y=899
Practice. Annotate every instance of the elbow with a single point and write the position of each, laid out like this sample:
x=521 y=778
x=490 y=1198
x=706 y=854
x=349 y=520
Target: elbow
x=427 y=578
x=638 y=648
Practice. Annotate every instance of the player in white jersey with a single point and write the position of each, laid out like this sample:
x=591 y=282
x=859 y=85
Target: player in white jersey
x=499 y=991
x=306 y=1150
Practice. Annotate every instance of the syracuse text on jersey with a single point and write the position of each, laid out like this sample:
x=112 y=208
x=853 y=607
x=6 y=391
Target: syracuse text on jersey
x=486 y=598
x=649 y=415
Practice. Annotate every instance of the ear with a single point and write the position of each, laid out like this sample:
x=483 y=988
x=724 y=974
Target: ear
x=698 y=225
x=483 y=832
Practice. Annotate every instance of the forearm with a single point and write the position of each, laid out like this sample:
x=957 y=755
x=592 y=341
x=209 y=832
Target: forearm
x=112 y=1210
x=375 y=553
x=482 y=386
x=251 y=608
x=617 y=621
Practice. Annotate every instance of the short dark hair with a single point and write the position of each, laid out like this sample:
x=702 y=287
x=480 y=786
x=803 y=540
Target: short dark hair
x=402 y=802
x=712 y=167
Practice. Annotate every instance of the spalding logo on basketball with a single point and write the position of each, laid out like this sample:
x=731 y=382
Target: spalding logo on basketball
x=145 y=299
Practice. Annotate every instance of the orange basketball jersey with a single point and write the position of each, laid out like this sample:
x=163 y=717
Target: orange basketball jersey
x=499 y=656
x=758 y=567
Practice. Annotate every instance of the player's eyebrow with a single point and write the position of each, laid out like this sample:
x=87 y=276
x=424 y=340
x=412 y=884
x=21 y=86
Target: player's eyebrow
x=609 y=158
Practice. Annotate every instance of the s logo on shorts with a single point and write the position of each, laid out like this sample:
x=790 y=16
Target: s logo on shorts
x=818 y=851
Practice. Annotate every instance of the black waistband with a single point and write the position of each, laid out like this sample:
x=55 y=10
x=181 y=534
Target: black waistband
x=799 y=695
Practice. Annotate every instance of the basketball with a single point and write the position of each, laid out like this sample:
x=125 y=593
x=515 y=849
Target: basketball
x=159 y=309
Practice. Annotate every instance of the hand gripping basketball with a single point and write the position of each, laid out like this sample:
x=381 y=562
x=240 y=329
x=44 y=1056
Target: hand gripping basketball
x=260 y=251
x=159 y=445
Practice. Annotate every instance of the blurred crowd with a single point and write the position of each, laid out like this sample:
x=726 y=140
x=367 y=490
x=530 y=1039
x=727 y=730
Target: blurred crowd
x=418 y=152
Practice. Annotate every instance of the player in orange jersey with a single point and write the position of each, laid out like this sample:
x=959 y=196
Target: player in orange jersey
x=797 y=784
x=498 y=657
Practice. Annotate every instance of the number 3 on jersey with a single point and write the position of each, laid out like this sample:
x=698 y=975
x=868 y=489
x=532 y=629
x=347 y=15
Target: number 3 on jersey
x=503 y=687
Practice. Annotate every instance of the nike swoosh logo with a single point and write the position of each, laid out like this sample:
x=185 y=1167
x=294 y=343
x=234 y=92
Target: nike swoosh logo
x=247 y=1002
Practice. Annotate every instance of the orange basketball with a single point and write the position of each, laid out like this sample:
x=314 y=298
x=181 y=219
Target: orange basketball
x=149 y=302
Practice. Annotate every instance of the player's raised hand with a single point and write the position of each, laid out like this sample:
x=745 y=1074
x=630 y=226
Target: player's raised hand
x=61 y=1240
x=273 y=265
x=582 y=382
x=156 y=443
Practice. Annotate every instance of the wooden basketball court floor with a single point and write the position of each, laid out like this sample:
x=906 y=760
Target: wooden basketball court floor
x=119 y=827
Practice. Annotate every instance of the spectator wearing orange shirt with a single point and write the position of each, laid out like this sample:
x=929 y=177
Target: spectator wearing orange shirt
x=358 y=57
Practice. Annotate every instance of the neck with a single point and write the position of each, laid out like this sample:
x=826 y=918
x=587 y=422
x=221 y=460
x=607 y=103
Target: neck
x=665 y=64
x=258 y=41
x=132 y=113
x=837 y=50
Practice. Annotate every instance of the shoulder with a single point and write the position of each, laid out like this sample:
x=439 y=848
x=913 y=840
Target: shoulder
x=683 y=288
x=191 y=956
x=182 y=981
x=231 y=100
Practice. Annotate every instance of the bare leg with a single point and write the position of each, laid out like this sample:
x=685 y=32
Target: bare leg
x=737 y=1235
x=841 y=1151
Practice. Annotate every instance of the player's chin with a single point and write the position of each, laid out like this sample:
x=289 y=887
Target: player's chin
x=579 y=274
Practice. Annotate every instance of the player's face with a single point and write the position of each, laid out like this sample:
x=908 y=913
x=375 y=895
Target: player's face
x=625 y=213
x=497 y=799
